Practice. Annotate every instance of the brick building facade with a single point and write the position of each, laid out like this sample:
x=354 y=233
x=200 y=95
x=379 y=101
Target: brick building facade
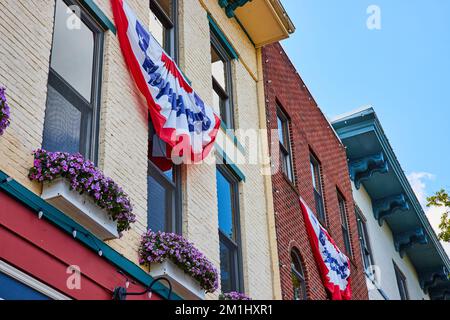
x=312 y=142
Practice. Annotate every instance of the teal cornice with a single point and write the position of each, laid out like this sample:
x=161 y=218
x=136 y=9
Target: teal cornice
x=430 y=279
x=406 y=240
x=66 y=224
x=222 y=38
x=231 y=5
x=363 y=169
x=385 y=207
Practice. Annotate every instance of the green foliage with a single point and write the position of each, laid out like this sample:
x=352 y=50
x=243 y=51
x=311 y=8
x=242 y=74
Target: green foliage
x=442 y=199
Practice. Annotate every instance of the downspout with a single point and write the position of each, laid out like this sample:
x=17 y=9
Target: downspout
x=276 y=282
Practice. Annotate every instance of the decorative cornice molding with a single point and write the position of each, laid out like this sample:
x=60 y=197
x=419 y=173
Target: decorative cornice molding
x=407 y=239
x=429 y=279
x=363 y=169
x=231 y=5
x=387 y=206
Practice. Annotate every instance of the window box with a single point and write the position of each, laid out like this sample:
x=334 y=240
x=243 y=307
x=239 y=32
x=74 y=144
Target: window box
x=80 y=208
x=182 y=283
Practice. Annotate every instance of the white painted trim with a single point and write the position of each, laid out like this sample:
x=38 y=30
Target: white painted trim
x=31 y=282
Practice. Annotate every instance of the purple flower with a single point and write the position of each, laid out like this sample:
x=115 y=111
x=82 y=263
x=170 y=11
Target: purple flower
x=236 y=296
x=84 y=177
x=4 y=111
x=157 y=247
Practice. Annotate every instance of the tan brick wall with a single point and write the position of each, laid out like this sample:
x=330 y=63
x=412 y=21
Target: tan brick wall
x=26 y=28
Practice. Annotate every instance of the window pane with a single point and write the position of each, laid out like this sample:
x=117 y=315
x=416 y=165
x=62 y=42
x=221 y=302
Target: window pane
x=62 y=124
x=280 y=130
x=166 y=5
x=157 y=29
x=226 y=268
x=225 y=203
x=73 y=50
x=218 y=68
x=157 y=206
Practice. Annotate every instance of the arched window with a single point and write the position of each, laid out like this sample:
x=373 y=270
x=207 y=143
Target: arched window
x=298 y=276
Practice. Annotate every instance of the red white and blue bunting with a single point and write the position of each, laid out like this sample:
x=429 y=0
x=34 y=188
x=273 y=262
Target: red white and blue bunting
x=334 y=266
x=180 y=117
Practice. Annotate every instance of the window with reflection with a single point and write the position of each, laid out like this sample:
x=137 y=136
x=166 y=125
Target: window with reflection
x=164 y=189
x=298 y=276
x=163 y=22
x=229 y=232
x=366 y=251
x=285 y=145
x=73 y=97
x=317 y=189
x=344 y=224
x=222 y=82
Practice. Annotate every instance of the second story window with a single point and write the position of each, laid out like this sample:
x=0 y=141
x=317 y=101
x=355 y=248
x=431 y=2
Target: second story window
x=229 y=231
x=344 y=224
x=73 y=97
x=163 y=22
x=222 y=82
x=401 y=283
x=364 y=240
x=285 y=145
x=317 y=189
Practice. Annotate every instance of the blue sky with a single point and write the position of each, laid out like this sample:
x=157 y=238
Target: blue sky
x=402 y=70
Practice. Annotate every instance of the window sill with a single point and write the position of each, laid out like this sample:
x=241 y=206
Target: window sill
x=80 y=208
x=183 y=284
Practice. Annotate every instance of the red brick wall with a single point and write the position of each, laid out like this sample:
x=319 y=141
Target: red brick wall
x=309 y=130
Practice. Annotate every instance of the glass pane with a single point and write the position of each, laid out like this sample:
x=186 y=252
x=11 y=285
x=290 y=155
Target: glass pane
x=226 y=268
x=73 y=50
x=12 y=289
x=218 y=68
x=157 y=206
x=217 y=104
x=280 y=130
x=166 y=5
x=157 y=29
x=224 y=194
x=62 y=124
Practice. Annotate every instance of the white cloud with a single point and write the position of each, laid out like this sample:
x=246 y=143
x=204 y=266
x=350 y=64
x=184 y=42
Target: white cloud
x=434 y=214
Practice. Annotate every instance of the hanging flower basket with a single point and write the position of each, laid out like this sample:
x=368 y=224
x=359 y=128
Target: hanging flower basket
x=159 y=248
x=89 y=190
x=4 y=111
x=234 y=296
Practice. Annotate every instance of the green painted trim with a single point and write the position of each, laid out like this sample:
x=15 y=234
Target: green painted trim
x=231 y=6
x=223 y=39
x=56 y=217
x=230 y=164
x=99 y=15
x=231 y=135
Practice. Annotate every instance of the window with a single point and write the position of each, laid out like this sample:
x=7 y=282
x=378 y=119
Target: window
x=163 y=22
x=229 y=231
x=222 y=82
x=344 y=224
x=366 y=252
x=401 y=282
x=285 y=145
x=164 y=181
x=164 y=192
x=298 y=276
x=73 y=98
x=317 y=188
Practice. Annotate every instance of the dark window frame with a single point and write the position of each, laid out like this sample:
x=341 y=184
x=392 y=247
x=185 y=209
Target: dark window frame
x=89 y=139
x=401 y=283
x=225 y=94
x=345 y=225
x=171 y=41
x=286 y=156
x=236 y=243
x=171 y=36
x=299 y=274
x=364 y=241
x=318 y=194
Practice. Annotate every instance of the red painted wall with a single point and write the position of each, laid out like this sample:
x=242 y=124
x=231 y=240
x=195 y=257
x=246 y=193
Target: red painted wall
x=309 y=131
x=43 y=251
